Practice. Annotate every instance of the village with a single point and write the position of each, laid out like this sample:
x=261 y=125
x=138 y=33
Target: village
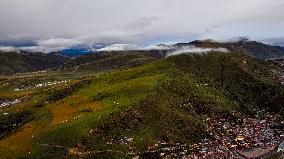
x=243 y=138
x=9 y=102
x=51 y=83
x=237 y=137
x=39 y=85
x=4 y=103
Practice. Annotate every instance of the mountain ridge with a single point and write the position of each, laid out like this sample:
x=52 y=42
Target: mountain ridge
x=60 y=61
x=20 y=62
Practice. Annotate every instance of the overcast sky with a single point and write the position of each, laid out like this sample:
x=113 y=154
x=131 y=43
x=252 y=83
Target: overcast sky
x=57 y=24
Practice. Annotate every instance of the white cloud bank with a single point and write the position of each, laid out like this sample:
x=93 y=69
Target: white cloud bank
x=119 y=47
x=51 y=45
x=198 y=50
x=45 y=46
x=7 y=48
x=127 y=47
x=172 y=50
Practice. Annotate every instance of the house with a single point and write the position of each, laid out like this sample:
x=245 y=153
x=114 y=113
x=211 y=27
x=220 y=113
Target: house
x=281 y=147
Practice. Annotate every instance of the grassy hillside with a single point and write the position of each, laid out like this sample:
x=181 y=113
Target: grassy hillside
x=105 y=61
x=252 y=48
x=12 y=62
x=133 y=107
x=261 y=50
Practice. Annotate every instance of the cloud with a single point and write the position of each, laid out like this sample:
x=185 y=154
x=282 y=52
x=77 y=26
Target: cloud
x=193 y=49
x=51 y=45
x=7 y=48
x=279 y=41
x=172 y=49
x=58 y=43
x=158 y=47
x=127 y=47
x=141 y=23
x=119 y=47
x=68 y=22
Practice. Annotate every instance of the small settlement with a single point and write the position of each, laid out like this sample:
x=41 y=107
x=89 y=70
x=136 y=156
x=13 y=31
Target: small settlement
x=245 y=138
x=240 y=137
x=39 y=85
x=9 y=102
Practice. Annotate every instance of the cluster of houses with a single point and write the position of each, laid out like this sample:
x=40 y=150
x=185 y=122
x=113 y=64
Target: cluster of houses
x=49 y=83
x=245 y=137
x=125 y=141
x=280 y=63
x=9 y=102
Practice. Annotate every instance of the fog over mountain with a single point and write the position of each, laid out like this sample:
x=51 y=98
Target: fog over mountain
x=53 y=25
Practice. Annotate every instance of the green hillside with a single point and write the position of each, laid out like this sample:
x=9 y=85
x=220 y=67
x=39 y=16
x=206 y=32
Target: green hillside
x=140 y=100
x=106 y=61
x=252 y=48
x=13 y=62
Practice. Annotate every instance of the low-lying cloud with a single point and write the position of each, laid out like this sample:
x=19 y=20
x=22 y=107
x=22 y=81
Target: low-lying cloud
x=52 y=45
x=119 y=47
x=127 y=47
x=193 y=49
x=172 y=49
x=7 y=48
x=45 y=45
x=158 y=47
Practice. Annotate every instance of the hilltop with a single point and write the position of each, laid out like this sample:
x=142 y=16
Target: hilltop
x=252 y=48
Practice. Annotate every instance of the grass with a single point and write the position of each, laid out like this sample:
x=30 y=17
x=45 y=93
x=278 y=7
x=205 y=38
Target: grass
x=125 y=90
x=19 y=143
x=161 y=101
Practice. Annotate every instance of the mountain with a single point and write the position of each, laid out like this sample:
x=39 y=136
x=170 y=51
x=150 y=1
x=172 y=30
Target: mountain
x=18 y=62
x=83 y=58
x=252 y=48
x=150 y=108
x=260 y=50
x=104 y=61
x=108 y=60
x=74 y=52
x=79 y=50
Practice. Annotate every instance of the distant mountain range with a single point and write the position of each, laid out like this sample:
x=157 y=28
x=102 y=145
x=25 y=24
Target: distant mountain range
x=74 y=52
x=83 y=57
x=79 y=50
x=104 y=61
x=252 y=48
x=18 y=62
